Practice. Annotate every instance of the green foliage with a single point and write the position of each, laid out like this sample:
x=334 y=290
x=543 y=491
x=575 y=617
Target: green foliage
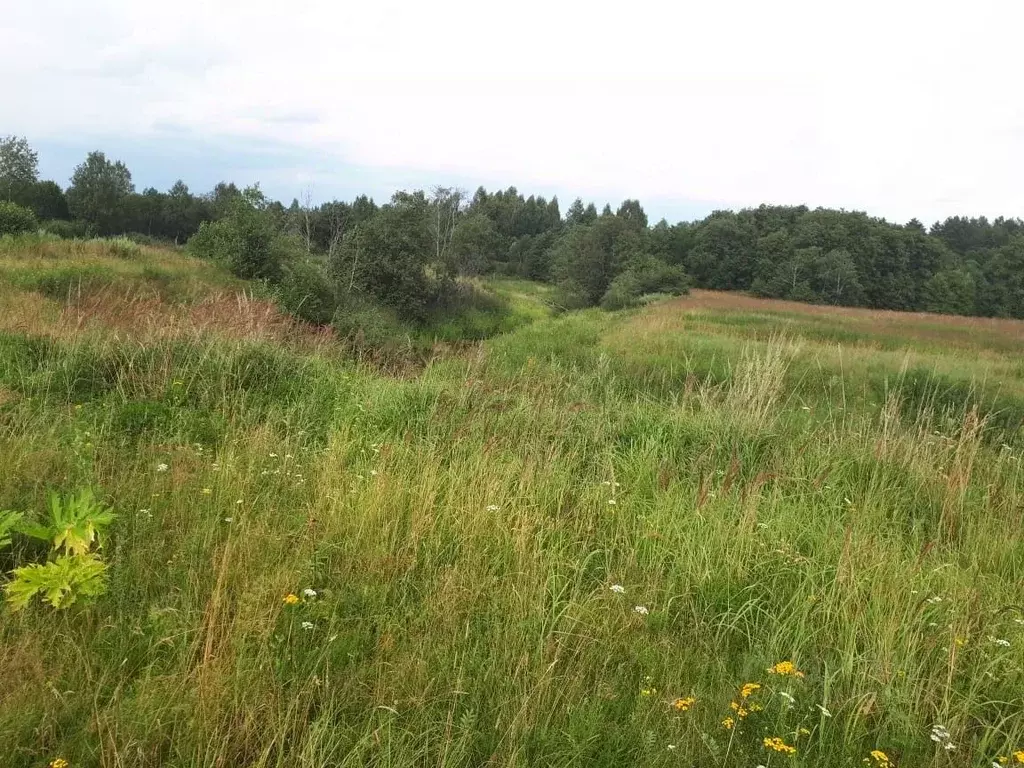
x=385 y=258
x=75 y=571
x=247 y=239
x=77 y=229
x=16 y=220
x=61 y=582
x=98 y=191
x=19 y=165
x=306 y=291
x=8 y=521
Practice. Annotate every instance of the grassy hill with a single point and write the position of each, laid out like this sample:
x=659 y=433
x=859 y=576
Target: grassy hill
x=589 y=541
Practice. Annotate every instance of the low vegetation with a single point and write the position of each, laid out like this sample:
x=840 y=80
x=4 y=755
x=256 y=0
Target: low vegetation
x=715 y=530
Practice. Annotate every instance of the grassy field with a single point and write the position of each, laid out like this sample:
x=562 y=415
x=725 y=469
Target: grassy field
x=715 y=531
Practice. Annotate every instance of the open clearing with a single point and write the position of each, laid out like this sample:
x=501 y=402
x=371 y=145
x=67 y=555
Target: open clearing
x=587 y=542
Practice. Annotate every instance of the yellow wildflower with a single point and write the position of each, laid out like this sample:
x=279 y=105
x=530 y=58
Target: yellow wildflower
x=777 y=744
x=648 y=691
x=1019 y=756
x=879 y=758
x=739 y=709
x=749 y=688
x=785 y=669
x=60 y=762
x=804 y=732
x=683 y=705
x=291 y=599
x=728 y=723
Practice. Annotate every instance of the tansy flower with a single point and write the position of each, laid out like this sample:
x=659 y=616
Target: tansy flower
x=777 y=744
x=60 y=762
x=728 y=723
x=1019 y=756
x=683 y=705
x=291 y=599
x=749 y=688
x=786 y=669
x=878 y=758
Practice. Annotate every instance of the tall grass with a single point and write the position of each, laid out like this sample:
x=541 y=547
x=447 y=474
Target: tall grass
x=462 y=530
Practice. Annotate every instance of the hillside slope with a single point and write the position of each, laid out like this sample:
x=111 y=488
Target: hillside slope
x=699 y=533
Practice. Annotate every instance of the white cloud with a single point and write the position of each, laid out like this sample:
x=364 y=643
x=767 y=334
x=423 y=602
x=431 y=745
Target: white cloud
x=901 y=108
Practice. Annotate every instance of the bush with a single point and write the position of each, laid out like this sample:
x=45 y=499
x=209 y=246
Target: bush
x=69 y=230
x=367 y=324
x=306 y=292
x=16 y=220
x=624 y=292
x=245 y=241
x=655 y=276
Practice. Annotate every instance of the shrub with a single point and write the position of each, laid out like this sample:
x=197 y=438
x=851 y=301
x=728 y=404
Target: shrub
x=69 y=230
x=306 y=292
x=365 y=323
x=624 y=292
x=16 y=220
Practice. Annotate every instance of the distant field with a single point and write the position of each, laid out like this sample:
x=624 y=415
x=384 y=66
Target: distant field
x=715 y=531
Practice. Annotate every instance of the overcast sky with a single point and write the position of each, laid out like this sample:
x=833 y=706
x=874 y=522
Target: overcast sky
x=901 y=108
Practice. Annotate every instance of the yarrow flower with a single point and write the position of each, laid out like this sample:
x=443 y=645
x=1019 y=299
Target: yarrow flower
x=159 y=468
x=307 y=625
x=940 y=735
x=777 y=744
x=618 y=589
x=785 y=669
x=291 y=599
x=683 y=705
x=309 y=592
x=641 y=609
x=492 y=507
x=999 y=641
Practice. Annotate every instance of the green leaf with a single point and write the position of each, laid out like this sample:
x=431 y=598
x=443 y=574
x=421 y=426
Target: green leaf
x=8 y=521
x=78 y=522
x=60 y=583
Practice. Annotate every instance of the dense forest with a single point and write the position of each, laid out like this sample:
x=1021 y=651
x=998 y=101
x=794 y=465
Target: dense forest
x=405 y=256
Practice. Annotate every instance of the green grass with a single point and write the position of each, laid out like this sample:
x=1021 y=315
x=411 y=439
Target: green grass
x=775 y=498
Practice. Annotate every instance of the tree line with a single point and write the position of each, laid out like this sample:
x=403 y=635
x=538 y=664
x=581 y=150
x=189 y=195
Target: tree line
x=408 y=254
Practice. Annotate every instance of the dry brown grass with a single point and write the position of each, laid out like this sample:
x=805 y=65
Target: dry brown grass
x=147 y=317
x=947 y=329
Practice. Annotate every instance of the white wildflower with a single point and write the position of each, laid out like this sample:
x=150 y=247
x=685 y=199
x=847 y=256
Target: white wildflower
x=309 y=592
x=162 y=467
x=788 y=697
x=824 y=711
x=229 y=519
x=492 y=507
x=307 y=625
x=612 y=502
x=999 y=641
x=641 y=609
x=618 y=589
x=934 y=600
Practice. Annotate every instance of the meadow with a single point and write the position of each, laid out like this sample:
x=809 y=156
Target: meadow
x=711 y=531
